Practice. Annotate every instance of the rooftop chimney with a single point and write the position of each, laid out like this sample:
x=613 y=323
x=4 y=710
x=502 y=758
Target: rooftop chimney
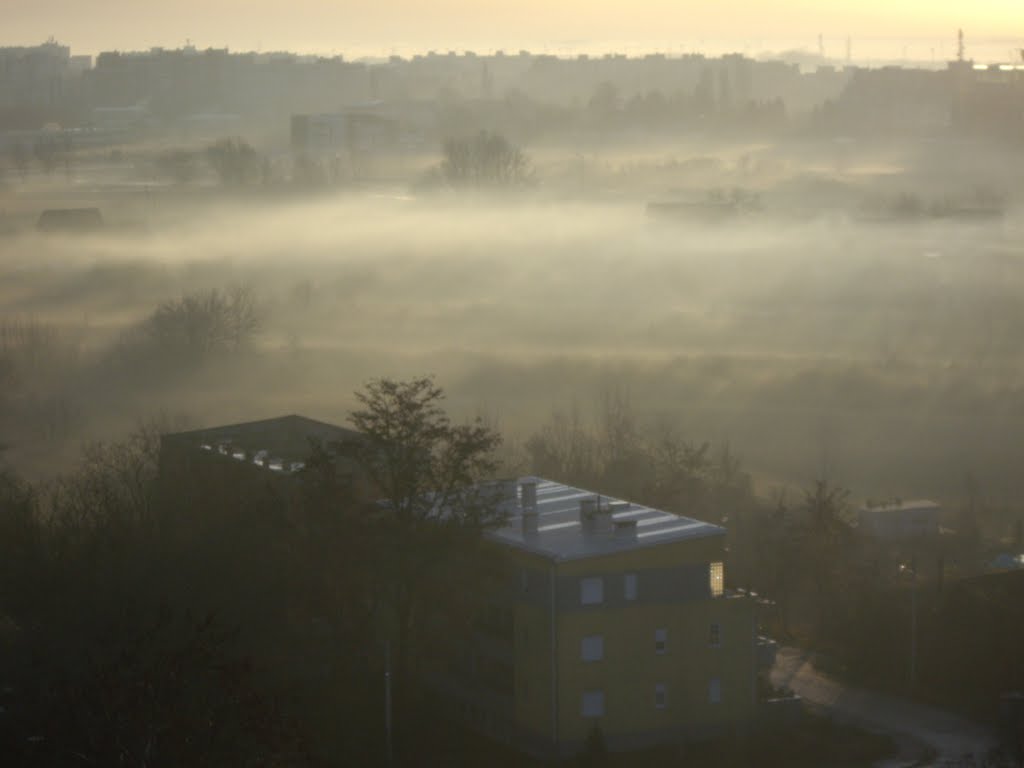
x=528 y=495
x=588 y=513
x=625 y=529
x=594 y=517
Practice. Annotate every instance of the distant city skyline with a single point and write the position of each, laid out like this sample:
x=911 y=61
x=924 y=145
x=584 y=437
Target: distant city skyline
x=878 y=30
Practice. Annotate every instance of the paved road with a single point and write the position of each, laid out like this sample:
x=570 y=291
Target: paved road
x=917 y=728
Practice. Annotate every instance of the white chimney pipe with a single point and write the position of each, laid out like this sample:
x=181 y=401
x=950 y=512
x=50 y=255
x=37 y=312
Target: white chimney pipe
x=528 y=494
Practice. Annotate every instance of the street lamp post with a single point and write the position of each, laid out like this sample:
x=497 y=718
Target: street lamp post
x=389 y=750
x=912 y=573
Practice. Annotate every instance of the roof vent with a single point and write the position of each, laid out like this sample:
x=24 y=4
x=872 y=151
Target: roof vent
x=594 y=517
x=625 y=529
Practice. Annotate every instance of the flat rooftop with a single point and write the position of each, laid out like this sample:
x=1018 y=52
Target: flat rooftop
x=561 y=535
x=282 y=443
x=900 y=506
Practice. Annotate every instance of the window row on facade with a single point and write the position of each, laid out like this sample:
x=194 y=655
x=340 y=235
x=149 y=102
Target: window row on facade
x=592 y=703
x=592 y=646
x=592 y=588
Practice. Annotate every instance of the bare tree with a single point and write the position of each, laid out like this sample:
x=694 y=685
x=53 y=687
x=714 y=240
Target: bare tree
x=432 y=508
x=235 y=161
x=204 y=323
x=486 y=159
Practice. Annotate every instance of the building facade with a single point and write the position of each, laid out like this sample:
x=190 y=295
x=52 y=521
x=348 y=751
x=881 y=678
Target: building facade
x=900 y=520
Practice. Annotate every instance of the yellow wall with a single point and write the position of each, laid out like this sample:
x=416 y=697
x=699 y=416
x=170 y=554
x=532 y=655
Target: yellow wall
x=631 y=668
x=668 y=555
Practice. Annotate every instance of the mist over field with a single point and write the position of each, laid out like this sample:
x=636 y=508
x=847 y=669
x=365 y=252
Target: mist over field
x=606 y=405
x=818 y=333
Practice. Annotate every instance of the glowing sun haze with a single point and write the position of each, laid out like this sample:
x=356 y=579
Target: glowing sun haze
x=385 y=25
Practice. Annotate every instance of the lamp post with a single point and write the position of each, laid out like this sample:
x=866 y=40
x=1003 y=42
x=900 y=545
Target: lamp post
x=389 y=753
x=912 y=573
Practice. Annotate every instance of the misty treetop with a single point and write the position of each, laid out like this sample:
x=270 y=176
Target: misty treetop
x=484 y=160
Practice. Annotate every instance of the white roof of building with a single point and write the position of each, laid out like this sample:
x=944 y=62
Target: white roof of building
x=561 y=536
x=899 y=506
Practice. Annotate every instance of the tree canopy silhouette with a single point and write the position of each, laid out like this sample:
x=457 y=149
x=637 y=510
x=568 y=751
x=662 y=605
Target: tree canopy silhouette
x=486 y=159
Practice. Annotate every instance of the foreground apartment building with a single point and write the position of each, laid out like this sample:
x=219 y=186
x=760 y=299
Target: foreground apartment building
x=611 y=615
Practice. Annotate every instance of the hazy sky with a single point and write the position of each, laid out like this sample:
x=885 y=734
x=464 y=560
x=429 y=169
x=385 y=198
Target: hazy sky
x=385 y=25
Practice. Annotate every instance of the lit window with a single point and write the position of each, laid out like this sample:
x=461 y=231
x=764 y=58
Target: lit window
x=592 y=648
x=630 y=591
x=660 y=641
x=592 y=590
x=593 y=704
x=660 y=696
x=715 y=691
x=715 y=636
x=717 y=579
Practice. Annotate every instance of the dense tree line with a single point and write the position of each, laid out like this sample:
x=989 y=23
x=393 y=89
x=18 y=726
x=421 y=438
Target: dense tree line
x=152 y=618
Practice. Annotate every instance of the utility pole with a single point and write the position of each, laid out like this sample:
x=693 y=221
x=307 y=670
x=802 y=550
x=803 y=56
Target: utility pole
x=389 y=751
x=913 y=630
x=911 y=571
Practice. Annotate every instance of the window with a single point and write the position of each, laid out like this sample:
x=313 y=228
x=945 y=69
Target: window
x=715 y=636
x=630 y=588
x=592 y=590
x=715 y=691
x=593 y=704
x=717 y=579
x=660 y=696
x=592 y=648
x=660 y=641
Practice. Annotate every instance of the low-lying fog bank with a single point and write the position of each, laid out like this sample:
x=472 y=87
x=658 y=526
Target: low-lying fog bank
x=888 y=351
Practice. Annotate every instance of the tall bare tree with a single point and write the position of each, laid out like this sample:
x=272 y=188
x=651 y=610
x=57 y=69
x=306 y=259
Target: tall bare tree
x=430 y=504
x=484 y=160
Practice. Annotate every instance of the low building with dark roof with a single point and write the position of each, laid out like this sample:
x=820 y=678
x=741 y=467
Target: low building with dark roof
x=900 y=520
